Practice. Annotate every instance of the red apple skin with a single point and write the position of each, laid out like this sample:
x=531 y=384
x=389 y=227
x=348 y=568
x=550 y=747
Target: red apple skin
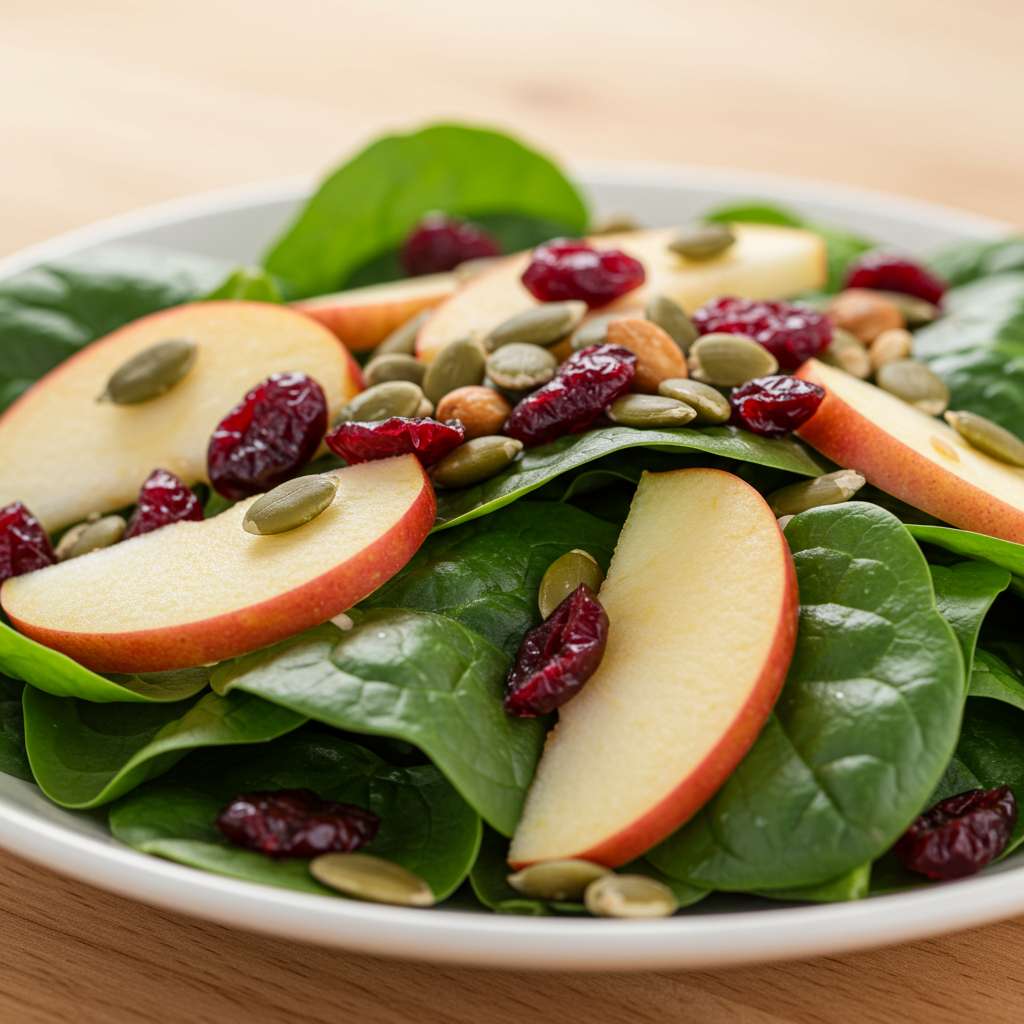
x=847 y=437
x=259 y=625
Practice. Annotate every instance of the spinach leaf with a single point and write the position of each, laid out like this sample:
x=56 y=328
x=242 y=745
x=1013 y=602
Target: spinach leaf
x=863 y=730
x=485 y=573
x=83 y=755
x=964 y=593
x=545 y=463
x=853 y=885
x=425 y=825
x=967 y=261
x=13 y=760
x=1004 y=553
x=414 y=676
x=367 y=207
x=994 y=679
x=252 y=284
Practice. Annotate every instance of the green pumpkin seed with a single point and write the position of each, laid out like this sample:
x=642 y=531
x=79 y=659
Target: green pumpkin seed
x=672 y=319
x=889 y=347
x=564 y=880
x=425 y=408
x=520 y=366
x=593 y=331
x=540 y=325
x=394 y=366
x=630 y=896
x=703 y=241
x=914 y=383
x=403 y=338
x=365 y=877
x=91 y=536
x=916 y=312
x=847 y=352
x=830 y=489
x=650 y=411
x=290 y=505
x=382 y=401
x=711 y=406
x=729 y=360
x=988 y=437
x=563 y=576
x=457 y=365
x=615 y=224
x=151 y=372
x=476 y=460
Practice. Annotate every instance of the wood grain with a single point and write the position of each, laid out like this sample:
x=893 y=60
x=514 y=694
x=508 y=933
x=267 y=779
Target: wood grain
x=113 y=104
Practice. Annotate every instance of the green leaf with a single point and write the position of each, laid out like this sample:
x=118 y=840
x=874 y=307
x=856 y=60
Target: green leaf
x=414 y=676
x=84 y=755
x=865 y=725
x=993 y=678
x=1004 y=553
x=425 y=825
x=964 y=593
x=367 y=207
x=252 y=284
x=545 y=463
x=13 y=760
x=486 y=573
x=853 y=885
x=966 y=261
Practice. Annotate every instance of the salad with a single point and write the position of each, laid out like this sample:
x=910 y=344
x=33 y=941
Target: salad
x=467 y=548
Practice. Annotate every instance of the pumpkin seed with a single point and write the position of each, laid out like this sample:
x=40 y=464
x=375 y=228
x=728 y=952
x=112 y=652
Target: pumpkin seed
x=889 y=346
x=703 y=241
x=91 y=536
x=916 y=312
x=987 y=437
x=365 y=877
x=425 y=408
x=830 y=489
x=711 y=406
x=382 y=401
x=476 y=460
x=650 y=411
x=784 y=521
x=593 y=331
x=540 y=325
x=729 y=360
x=459 y=363
x=468 y=269
x=847 y=352
x=557 y=879
x=394 y=366
x=634 y=896
x=520 y=366
x=615 y=224
x=672 y=319
x=151 y=372
x=563 y=576
x=403 y=338
x=914 y=383
x=290 y=505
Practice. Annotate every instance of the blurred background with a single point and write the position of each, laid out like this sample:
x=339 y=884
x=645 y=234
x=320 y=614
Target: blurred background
x=113 y=104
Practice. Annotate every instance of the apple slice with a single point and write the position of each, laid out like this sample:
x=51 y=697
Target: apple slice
x=912 y=456
x=702 y=600
x=364 y=317
x=197 y=592
x=765 y=262
x=66 y=455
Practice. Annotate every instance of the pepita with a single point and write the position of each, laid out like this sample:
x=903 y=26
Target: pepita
x=520 y=366
x=394 y=366
x=711 y=406
x=630 y=896
x=382 y=401
x=729 y=360
x=365 y=877
x=889 y=346
x=650 y=411
x=290 y=505
x=403 y=338
x=564 y=880
x=458 y=364
x=425 y=408
x=830 y=489
x=564 y=575
x=91 y=536
x=593 y=331
x=615 y=224
x=865 y=314
x=539 y=325
x=916 y=384
x=151 y=372
x=703 y=241
x=847 y=352
x=672 y=319
x=916 y=312
x=476 y=460
x=987 y=437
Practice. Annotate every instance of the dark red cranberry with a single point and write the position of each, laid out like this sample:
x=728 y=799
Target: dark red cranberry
x=557 y=657
x=296 y=823
x=793 y=334
x=959 y=835
x=163 y=500
x=429 y=440
x=890 y=272
x=268 y=437
x=584 y=386
x=564 y=269
x=774 y=406
x=24 y=544
x=439 y=243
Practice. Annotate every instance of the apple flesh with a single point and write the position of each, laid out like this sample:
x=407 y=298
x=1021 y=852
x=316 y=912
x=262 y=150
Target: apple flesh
x=913 y=456
x=198 y=592
x=702 y=601
x=765 y=262
x=66 y=455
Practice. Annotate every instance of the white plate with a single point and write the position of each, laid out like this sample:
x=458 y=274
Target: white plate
x=724 y=930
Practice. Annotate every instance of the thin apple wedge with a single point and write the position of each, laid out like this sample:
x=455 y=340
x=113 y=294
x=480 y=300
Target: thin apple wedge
x=701 y=596
x=197 y=592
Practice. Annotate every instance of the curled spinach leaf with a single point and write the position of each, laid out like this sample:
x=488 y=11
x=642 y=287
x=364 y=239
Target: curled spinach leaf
x=13 y=760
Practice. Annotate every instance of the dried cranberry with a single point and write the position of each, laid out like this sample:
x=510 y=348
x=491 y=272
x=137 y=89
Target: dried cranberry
x=163 y=500
x=268 y=437
x=890 y=272
x=564 y=269
x=296 y=823
x=439 y=243
x=557 y=657
x=585 y=385
x=793 y=334
x=959 y=835
x=427 y=439
x=774 y=406
x=24 y=545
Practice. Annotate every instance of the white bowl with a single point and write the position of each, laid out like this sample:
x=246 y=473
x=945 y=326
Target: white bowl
x=724 y=930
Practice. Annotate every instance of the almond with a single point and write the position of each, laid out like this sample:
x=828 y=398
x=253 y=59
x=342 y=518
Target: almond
x=658 y=357
x=480 y=410
x=864 y=313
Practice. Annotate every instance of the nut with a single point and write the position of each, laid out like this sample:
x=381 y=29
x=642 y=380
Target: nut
x=890 y=346
x=830 y=489
x=403 y=338
x=564 y=880
x=539 y=325
x=847 y=352
x=520 y=366
x=290 y=505
x=457 y=365
x=650 y=412
x=475 y=461
x=480 y=410
x=366 y=877
x=672 y=319
x=916 y=384
x=710 y=405
x=988 y=437
x=657 y=356
x=151 y=372
x=703 y=242
x=563 y=576
x=593 y=331
x=382 y=401
x=394 y=366
x=91 y=536
x=864 y=313
x=730 y=360
x=631 y=896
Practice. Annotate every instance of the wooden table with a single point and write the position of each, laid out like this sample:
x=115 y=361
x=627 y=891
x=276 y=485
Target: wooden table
x=113 y=104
